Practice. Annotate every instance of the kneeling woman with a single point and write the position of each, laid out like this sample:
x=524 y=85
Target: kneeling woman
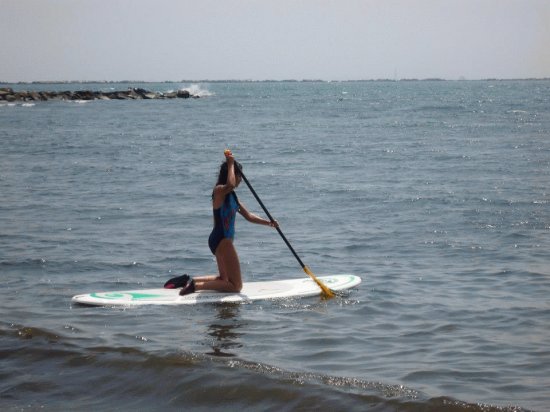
x=225 y=204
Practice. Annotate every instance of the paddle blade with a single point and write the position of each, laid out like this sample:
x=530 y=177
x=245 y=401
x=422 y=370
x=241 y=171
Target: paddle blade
x=327 y=293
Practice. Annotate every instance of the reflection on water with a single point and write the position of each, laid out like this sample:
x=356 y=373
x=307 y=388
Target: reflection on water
x=223 y=334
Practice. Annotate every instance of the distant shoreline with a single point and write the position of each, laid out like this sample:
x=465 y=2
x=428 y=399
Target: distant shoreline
x=46 y=82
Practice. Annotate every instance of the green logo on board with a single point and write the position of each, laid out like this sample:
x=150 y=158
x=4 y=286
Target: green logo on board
x=125 y=296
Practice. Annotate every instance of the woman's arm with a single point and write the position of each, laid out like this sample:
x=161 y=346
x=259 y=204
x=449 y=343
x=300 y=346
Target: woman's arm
x=251 y=217
x=221 y=191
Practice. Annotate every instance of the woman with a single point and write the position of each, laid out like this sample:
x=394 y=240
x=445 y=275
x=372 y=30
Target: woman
x=225 y=204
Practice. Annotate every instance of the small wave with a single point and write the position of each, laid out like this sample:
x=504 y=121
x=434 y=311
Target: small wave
x=26 y=263
x=446 y=108
x=386 y=396
x=333 y=381
x=184 y=376
x=30 y=332
x=516 y=112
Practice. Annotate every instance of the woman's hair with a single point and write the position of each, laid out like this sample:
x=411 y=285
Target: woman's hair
x=222 y=177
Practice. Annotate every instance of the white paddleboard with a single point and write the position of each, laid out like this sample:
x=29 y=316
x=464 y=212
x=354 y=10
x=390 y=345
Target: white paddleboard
x=250 y=291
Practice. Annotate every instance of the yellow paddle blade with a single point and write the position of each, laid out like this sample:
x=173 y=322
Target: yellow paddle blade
x=327 y=293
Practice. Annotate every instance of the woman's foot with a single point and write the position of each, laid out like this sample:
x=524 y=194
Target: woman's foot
x=177 y=282
x=189 y=288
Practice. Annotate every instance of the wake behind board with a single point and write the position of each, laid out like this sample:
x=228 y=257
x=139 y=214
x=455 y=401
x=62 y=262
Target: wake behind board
x=251 y=291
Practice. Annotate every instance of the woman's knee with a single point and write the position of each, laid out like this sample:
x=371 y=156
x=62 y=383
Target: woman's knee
x=238 y=285
x=234 y=279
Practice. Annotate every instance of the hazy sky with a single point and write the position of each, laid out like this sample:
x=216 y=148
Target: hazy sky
x=263 y=39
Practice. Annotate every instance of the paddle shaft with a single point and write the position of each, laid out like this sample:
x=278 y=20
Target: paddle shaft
x=273 y=220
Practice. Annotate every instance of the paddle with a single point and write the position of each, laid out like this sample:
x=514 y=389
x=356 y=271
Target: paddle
x=327 y=293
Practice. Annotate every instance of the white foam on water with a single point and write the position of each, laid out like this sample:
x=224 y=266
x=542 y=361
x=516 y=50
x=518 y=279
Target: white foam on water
x=198 y=90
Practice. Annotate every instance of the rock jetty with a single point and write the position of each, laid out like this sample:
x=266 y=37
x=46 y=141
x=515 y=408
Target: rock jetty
x=7 y=94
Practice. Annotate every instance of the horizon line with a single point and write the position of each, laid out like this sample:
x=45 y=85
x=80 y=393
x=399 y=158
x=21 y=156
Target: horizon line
x=270 y=80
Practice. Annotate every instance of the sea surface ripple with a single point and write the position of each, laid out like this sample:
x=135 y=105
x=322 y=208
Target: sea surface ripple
x=436 y=193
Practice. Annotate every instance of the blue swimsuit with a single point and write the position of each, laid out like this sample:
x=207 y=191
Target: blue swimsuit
x=224 y=221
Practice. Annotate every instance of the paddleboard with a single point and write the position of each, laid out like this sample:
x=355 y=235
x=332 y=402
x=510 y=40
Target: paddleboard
x=251 y=291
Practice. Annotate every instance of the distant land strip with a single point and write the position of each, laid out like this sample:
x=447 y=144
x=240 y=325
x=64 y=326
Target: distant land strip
x=431 y=79
x=9 y=95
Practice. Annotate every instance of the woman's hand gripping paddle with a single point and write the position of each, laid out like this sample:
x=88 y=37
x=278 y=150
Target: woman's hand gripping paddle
x=327 y=293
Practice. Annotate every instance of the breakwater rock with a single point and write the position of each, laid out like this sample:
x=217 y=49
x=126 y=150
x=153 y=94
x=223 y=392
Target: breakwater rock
x=9 y=95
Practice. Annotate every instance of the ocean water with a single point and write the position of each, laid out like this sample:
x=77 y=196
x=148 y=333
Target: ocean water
x=436 y=193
